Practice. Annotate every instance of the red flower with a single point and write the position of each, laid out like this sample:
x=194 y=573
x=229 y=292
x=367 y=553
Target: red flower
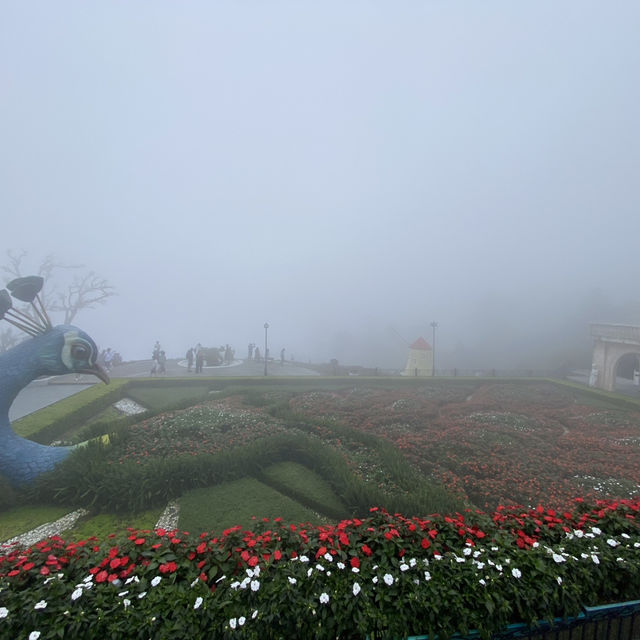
x=355 y=562
x=45 y=571
x=139 y=541
x=366 y=550
x=102 y=576
x=168 y=567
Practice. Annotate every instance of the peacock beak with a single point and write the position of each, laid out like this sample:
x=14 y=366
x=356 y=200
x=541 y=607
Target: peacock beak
x=98 y=371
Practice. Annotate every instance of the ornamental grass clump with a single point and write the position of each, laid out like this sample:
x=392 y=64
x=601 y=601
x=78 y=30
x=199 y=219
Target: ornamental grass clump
x=380 y=576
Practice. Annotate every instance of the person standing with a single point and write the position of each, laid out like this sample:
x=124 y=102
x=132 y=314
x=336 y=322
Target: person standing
x=282 y=356
x=199 y=358
x=189 y=357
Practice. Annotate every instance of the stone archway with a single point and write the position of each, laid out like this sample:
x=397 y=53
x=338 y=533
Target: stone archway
x=611 y=342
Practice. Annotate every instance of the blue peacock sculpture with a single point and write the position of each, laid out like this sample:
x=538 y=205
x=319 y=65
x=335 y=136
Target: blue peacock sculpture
x=50 y=351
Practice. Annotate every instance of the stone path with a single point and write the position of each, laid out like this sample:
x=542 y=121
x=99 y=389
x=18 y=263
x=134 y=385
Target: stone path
x=168 y=521
x=47 y=530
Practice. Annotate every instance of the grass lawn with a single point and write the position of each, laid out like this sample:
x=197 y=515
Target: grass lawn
x=307 y=484
x=157 y=398
x=103 y=524
x=19 y=520
x=235 y=503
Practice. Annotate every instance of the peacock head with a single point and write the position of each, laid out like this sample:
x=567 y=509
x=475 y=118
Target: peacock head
x=66 y=349
x=79 y=353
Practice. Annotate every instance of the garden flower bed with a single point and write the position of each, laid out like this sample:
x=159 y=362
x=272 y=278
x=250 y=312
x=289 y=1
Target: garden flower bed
x=382 y=576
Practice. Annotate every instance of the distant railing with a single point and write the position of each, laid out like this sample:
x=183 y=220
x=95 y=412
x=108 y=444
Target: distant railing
x=617 y=332
x=619 y=621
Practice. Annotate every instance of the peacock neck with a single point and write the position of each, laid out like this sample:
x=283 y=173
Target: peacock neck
x=18 y=367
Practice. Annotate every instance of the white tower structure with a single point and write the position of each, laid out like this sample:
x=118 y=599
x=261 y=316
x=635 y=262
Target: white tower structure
x=420 y=360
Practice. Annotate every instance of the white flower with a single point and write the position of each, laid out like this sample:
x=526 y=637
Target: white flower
x=254 y=615
x=578 y=533
x=319 y=567
x=612 y=543
x=480 y=565
x=355 y=570
x=292 y=580
x=4 y=612
x=241 y=620
x=324 y=598
x=234 y=585
x=121 y=594
x=304 y=559
x=233 y=623
x=309 y=572
x=404 y=567
x=76 y=594
x=427 y=576
x=596 y=530
x=595 y=558
x=198 y=603
x=126 y=602
x=482 y=582
x=142 y=595
x=558 y=558
x=626 y=536
x=559 y=579
x=516 y=573
x=413 y=562
x=34 y=635
x=340 y=565
x=328 y=557
x=458 y=559
x=388 y=579
x=374 y=579
x=499 y=567
x=156 y=581
x=356 y=588
x=41 y=605
x=467 y=551
x=255 y=585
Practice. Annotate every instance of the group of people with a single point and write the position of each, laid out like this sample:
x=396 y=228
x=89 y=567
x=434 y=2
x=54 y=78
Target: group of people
x=109 y=358
x=195 y=354
x=254 y=353
x=158 y=360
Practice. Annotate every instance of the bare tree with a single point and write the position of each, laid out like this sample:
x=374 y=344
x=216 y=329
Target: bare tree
x=84 y=290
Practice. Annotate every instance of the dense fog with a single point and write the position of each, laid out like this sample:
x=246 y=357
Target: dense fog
x=347 y=172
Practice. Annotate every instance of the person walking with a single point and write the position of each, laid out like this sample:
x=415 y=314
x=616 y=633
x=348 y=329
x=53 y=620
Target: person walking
x=199 y=359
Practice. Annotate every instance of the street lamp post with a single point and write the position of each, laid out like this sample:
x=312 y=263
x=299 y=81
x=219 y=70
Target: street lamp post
x=266 y=327
x=434 y=324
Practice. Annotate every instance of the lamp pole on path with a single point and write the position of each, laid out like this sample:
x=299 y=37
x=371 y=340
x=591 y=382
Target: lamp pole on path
x=266 y=327
x=434 y=324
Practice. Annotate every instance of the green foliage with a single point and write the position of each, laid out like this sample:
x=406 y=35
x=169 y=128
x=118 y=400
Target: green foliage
x=9 y=497
x=382 y=576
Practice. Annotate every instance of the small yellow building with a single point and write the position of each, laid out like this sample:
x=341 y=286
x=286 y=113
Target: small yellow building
x=420 y=360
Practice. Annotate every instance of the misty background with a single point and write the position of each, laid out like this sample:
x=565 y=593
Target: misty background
x=346 y=172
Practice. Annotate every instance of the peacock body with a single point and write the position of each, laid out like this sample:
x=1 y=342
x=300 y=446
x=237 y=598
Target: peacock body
x=50 y=351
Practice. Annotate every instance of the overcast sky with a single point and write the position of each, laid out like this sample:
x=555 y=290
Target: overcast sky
x=346 y=171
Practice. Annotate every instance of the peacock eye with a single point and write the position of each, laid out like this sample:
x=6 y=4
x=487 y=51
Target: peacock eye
x=79 y=351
